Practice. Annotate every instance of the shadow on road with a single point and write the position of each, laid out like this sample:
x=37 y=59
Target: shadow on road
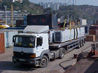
x=93 y=68
x=8 y=65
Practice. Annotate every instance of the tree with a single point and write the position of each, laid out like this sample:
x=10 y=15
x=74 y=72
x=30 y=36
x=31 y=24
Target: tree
x=25 y=6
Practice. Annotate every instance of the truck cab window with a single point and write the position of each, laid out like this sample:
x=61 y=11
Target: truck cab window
x=39 y=41
x=24 y=41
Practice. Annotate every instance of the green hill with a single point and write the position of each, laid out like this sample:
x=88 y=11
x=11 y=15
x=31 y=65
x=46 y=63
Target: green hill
x=83 y=11
x=25 y=6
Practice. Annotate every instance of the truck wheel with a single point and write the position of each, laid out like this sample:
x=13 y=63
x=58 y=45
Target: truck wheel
x=61 y=53
x=44 y=62
x=79 y=45
x=53 y=57
x=82 y=43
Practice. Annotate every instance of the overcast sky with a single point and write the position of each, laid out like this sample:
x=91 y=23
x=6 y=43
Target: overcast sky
x=77 y=2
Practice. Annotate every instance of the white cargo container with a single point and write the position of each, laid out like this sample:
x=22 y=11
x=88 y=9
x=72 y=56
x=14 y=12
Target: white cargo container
x=71 y=34
x=62 y=35
x=51 y=35
x=75 y=33
x=83 y=22
x=82 y=31
x=67 y=34
x=79 y=32
x=9 y=38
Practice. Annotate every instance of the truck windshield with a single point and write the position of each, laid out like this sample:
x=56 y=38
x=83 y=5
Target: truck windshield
x=24 y=41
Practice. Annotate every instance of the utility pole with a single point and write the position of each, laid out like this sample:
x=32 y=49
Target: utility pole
x=5 y=14
x=12 y=15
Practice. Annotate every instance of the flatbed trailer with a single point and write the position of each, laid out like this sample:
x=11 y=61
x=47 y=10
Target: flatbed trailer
x=78 y=41
x=66 y=46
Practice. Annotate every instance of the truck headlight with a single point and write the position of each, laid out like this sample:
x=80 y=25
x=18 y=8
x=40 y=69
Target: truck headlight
x=19 y=44
x=30 y=44
x=33 y=55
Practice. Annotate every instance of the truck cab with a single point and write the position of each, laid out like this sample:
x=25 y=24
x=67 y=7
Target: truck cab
x=31 y=48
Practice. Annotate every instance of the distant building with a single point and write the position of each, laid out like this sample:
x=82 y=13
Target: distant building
x=18 y=1
x=0 y=0
x=17 y=16
x=54 y=6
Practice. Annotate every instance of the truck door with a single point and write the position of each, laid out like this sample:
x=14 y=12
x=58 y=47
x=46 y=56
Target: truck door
x=39 y=46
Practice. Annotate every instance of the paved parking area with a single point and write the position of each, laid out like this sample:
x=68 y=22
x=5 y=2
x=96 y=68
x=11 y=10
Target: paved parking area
x=57 y=66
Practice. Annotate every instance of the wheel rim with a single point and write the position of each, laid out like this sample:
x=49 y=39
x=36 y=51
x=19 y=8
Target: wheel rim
x=62 y=54
x=43 y=62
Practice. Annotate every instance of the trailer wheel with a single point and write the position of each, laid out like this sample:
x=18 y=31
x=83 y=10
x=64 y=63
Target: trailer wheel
x=82 y=42
x=61 y=53
x=53 y=57
x=79 y=45
x=44 y=62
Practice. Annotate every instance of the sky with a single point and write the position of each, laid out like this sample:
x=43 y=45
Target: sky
x=77 y=2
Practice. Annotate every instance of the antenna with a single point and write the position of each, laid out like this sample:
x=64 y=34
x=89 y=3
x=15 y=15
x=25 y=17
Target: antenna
x=6 y=13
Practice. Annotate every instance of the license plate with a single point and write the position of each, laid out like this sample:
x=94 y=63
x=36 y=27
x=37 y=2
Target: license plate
x=21 y=60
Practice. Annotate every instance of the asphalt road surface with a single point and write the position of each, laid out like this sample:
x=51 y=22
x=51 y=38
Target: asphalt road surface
x=57 y=66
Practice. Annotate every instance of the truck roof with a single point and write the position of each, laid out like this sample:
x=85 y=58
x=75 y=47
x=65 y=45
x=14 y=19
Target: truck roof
x=25 y=34
x=30 y=34
x=36 y=29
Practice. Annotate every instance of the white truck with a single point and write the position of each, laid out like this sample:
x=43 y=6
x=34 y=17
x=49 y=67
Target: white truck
x=37 y=45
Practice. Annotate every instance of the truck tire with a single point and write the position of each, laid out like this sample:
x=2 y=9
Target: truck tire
x=53 y=57
x=44 y=61
x=61 y=53
x=79 y=45
x=82 y=43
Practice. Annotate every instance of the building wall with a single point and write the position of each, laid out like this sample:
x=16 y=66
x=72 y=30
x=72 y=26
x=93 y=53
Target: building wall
x=9 y=38
x=17 y=16
x=2 y=44
x=54 y=6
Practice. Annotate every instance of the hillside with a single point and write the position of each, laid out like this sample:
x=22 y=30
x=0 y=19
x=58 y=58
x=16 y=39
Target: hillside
x=83 y=11
x=25 y=6
x=77 y=11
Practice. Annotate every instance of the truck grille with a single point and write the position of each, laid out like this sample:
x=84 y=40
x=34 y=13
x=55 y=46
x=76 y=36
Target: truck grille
x=22 y=55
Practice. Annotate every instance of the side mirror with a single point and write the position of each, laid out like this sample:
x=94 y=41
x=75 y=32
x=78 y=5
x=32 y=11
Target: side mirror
x=13 y=39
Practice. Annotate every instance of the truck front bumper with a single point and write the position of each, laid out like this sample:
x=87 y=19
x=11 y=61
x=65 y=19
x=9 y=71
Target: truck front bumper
x=34 y=61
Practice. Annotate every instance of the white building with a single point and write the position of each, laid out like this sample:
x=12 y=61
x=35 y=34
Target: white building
x=18 y=1
x=16 y=16
x=54 y=6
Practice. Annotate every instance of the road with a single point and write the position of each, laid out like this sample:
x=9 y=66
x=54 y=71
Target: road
x=6 y=65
